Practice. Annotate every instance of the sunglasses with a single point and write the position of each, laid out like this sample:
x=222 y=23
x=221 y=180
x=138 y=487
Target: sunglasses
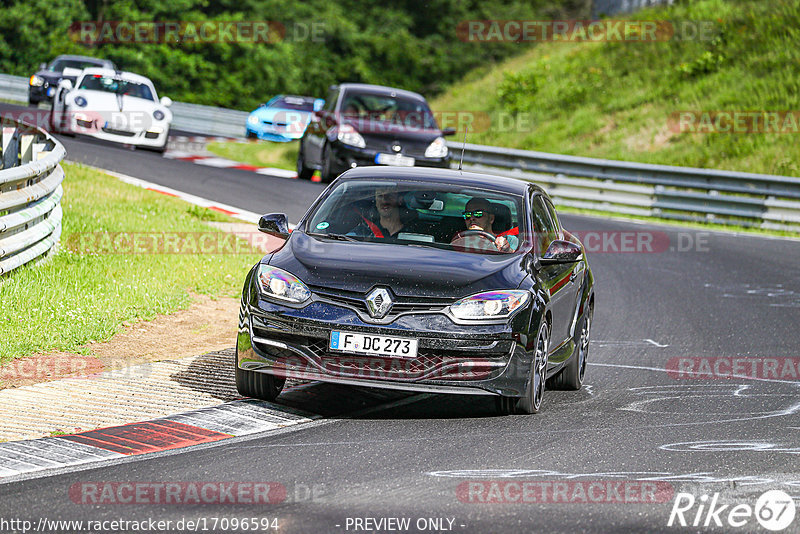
x=477 y=214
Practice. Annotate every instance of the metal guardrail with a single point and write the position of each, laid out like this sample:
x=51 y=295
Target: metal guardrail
x=668 y=192
x=30 y=193
x=679 y=193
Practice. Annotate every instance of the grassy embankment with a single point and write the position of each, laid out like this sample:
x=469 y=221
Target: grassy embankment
x=73 y=298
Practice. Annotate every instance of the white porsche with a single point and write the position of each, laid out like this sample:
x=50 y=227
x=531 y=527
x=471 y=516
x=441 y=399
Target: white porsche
x=112 y=105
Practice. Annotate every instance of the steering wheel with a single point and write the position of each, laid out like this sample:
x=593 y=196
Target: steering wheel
x=459 y=240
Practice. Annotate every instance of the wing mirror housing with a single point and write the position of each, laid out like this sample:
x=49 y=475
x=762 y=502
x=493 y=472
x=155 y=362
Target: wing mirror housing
x=166 y=101
x=448 y=131
x=561 y=251
x=65 y=84
x=274 y=224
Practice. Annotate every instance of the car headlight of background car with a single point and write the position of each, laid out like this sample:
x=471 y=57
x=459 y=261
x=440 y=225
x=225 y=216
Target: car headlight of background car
x=158 y=115
x=437 y=149
x=349 y=136
x=490 y=305
x=282 y=285
x=252 y=119
x=36 y=81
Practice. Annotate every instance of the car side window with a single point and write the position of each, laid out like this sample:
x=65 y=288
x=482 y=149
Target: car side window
x=551 y=210
x=330 y=102
x=543 y=226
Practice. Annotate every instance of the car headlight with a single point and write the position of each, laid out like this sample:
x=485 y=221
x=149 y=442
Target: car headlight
x=437 y=149
x=282 y=285
x=36 y=81
x=252 y=119
x=80 y=101
x=158 y=115
x=490 y=305
x=349 y=136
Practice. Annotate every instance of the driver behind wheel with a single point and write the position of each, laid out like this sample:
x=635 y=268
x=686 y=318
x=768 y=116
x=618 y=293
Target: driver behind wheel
x=479 y=216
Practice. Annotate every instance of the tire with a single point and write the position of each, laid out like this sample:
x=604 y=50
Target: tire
x=163 y=149
x=572 y=375
x=251 y=135
x=34 y=103
x=303 y=172
x=531 y=402
x=326 y=173
x=258 y=385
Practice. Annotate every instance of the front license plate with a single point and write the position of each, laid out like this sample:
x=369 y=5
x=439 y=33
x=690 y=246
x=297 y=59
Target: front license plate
x=397 y=160
x=401 y=347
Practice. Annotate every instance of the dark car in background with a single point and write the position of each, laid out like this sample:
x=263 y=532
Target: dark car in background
x=364 y=124
x=42 y=85
x=435 y=307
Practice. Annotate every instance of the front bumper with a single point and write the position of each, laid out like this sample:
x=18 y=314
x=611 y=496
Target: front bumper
x=346 y=157
x=155 y=137
x=475 y=359
x=41 y=93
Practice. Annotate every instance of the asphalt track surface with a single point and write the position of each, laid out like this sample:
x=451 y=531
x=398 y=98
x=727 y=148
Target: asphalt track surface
x=705 y=295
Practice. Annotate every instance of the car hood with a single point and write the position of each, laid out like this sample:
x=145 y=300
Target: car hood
x=409 y=270
x=105 y=105
x=287 y=116
x=387 y=133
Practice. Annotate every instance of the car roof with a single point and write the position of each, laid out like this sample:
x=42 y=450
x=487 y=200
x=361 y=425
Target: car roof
x=83 y=58
x=379 y=89
x=448 y=176
x=131 y=76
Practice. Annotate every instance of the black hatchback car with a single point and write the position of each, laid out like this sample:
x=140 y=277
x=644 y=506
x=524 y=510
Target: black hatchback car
x=42 y=85
x=421 y=302
x=364 y=124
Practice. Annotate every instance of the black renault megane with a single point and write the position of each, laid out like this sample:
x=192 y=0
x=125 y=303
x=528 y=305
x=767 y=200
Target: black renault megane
x=419 y=279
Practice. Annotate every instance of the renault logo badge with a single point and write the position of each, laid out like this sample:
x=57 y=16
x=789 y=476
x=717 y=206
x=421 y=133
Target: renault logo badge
x=379 y=302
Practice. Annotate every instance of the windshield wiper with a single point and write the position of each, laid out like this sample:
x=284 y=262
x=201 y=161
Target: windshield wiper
x=338 y=237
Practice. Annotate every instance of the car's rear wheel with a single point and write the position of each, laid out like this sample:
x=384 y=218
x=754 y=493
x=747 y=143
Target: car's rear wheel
x=326 y=173
x=531 y=402
x=303 y=172
x=571 y=376
x=258 y=385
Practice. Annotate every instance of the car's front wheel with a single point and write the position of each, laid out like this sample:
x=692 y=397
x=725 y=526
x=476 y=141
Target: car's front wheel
x=258 y=385
x=326 y=173
x=531 y=402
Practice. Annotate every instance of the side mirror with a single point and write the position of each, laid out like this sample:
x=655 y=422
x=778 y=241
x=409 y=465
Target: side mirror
x=561 y=252
x=166 y=101
x=318 y=104
x=448 y=131
x=65 y=84
x=274 y=224
x=42 y=66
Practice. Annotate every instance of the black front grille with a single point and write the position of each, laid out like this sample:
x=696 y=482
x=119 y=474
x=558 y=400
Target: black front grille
x=401 y=305
x=114 y=131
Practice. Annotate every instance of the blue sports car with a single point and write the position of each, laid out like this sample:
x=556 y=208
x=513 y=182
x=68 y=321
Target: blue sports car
x=284 y=118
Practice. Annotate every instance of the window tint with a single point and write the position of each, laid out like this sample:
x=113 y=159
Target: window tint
x=330 y=102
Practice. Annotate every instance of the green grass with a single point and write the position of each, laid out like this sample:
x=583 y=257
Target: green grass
x=614 y=100
x=259 y=153
x=72 y=298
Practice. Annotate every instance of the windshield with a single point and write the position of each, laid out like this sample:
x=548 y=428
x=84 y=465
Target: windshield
x=445 y=216
x=61 y=64
x=97 y=82
x=409 y=112
x=294 y=103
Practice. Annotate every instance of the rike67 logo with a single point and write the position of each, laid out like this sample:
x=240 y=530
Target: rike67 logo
x=774 y=510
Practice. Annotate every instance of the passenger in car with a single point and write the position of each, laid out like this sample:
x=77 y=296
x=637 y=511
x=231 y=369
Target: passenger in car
x=388 y=219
